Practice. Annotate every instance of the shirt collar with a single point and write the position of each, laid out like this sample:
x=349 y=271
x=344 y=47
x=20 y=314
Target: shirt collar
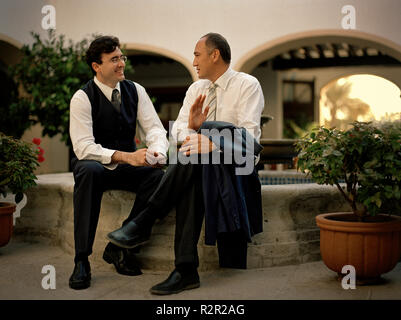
x=222 y=82
x=107 y=91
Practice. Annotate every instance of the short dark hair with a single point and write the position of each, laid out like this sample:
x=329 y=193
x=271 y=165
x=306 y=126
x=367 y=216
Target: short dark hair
x=217 y=41
x=103 y=44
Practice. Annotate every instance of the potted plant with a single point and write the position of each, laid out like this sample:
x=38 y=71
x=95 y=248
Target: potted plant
x=18 y=161
x=364 y=163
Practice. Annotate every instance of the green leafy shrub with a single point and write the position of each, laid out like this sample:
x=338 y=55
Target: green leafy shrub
x=18 y=161
x=366 y=157
x=50 y=72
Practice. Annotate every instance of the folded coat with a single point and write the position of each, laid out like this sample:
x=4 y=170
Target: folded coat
x=232 y=201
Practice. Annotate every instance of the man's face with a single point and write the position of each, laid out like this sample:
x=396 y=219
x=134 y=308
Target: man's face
x=203 y=60
x=110 y=72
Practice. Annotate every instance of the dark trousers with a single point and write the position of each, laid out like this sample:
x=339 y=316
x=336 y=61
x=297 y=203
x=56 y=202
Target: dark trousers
x=233 y=249
x=91 y=180
x=181 y=187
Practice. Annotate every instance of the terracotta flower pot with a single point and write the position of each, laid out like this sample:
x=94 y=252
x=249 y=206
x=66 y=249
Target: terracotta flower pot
x=6 y=222
x=373 y=247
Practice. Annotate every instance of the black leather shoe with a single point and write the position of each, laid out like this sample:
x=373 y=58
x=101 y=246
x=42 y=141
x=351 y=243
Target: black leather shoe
x=129 y=235
x=177 y=282
x=124 y=261
x=81 y=276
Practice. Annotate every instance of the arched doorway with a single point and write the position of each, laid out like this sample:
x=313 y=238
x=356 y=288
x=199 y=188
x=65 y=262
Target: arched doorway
x=361 y=97
x=293 y=69
x=165 y=76
x=13 y=122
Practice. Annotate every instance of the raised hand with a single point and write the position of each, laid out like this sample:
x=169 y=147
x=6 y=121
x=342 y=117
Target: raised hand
x=196 y=116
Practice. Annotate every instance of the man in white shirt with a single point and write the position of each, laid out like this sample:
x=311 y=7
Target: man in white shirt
x=104 y=116
x=221 y=94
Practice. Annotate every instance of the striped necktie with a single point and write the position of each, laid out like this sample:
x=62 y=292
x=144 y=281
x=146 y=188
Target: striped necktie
x=116 y=99
x=212 y=103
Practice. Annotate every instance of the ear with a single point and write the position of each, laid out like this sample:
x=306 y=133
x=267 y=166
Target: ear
x=95 y=66
x=216 y=55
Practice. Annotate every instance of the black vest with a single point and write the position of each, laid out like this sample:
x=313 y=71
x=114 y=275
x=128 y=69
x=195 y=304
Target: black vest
x=111 y=129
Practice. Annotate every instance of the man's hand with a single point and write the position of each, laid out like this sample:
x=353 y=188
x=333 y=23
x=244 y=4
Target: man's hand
x=197 y=143
x=155 y=159
x=136 y=159
x=196 y=116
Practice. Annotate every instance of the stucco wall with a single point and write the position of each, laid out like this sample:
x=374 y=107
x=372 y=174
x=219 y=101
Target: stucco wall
x=255 y=29
x=175 y=25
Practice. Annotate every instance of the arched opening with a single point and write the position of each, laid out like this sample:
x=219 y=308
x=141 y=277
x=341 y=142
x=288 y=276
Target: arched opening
x=360 y=97
x=293 y=69
x=9 y=55
x=165 y=79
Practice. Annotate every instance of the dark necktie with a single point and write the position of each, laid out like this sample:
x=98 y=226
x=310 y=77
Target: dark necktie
x=116 y=99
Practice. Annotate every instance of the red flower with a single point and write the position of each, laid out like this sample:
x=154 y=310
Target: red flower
x=40 y=151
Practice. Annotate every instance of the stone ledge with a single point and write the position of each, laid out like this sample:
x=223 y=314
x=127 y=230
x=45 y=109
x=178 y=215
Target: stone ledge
x=290 y=234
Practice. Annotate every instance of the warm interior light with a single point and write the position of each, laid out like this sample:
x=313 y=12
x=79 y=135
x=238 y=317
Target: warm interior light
x=359 y=97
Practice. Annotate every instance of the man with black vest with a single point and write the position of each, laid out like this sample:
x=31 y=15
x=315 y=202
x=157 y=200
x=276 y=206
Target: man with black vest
x=104 y=115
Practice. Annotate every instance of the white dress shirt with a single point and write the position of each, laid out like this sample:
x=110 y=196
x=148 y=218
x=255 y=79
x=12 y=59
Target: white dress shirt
x=150 y=128
x=240 y=101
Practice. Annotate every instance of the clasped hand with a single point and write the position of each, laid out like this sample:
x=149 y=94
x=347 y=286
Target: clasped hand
x=155 y=159
x=142 y=157
x=197 y=143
